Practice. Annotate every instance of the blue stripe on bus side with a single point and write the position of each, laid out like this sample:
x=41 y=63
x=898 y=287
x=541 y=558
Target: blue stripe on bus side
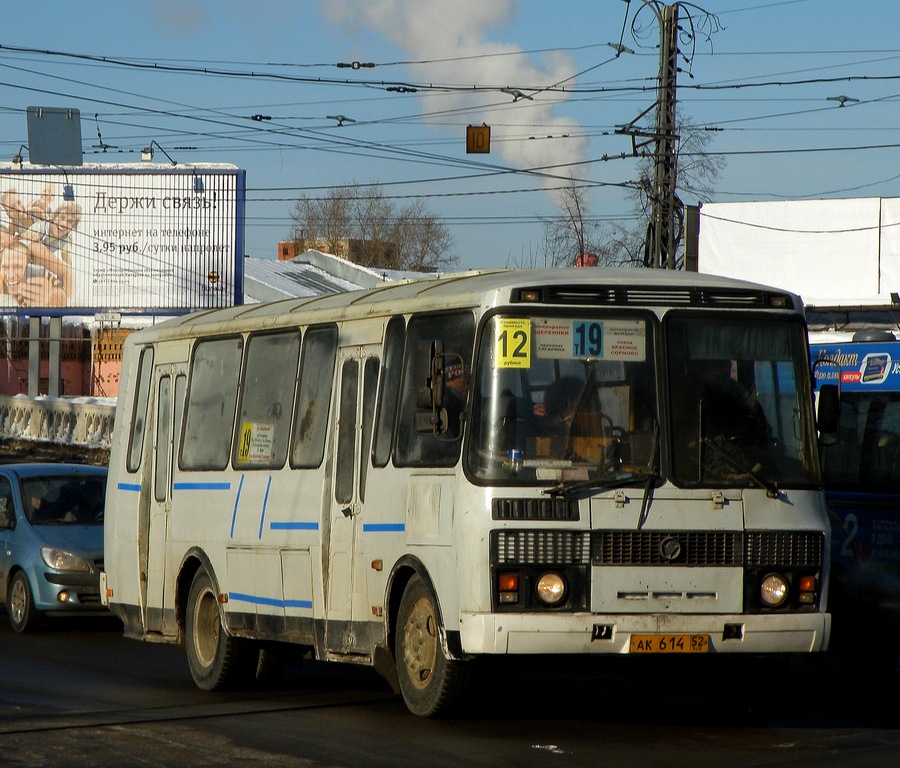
x=262 y=512
x=287 y=526
x=237 y=499
x=381 y=527
x=244 y=598
x=201 y=486
x=180 y=486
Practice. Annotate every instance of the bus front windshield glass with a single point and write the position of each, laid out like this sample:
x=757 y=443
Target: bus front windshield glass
x=739 y=398
x=565 y=399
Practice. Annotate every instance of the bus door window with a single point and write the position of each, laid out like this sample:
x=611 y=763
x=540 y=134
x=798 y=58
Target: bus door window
x=391 y=371
x=139 y=414
x=370 y=389
x=346 y=443
x=349 y=426
x=162 y=463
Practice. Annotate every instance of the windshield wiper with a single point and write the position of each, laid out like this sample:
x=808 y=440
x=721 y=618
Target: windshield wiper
x=742 y=465
x=608 y=483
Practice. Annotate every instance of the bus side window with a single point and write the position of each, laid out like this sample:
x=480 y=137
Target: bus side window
x=267 y=395
x=209 y=419
x=456 y=331
x=317 y=358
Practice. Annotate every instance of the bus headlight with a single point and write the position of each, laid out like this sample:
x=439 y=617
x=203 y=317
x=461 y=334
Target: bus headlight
x=773 y=590
x=551 y=588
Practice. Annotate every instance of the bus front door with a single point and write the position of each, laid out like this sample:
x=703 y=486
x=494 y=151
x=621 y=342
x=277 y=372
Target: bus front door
x=346 y=598
x=159 y=607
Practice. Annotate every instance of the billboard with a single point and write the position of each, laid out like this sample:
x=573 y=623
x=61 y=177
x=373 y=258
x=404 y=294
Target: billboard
x=130 y=238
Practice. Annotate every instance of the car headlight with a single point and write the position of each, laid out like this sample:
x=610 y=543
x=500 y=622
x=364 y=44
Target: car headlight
x=551 y=588
x=61 y=560
x=773 y=590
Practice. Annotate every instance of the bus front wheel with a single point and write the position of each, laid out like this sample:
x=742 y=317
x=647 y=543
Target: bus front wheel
x=216 y=660
x=430 y=682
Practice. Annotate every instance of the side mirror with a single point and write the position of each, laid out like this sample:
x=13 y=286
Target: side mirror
x=436 y=372
x=828 y=409
x=432 y=415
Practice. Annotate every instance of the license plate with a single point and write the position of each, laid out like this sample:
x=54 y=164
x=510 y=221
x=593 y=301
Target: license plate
x=669 y=644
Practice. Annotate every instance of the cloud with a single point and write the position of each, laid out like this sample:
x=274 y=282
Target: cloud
x=183 y=19
x=461 y=44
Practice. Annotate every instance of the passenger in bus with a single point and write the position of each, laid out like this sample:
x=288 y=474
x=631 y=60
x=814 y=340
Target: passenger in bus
x=727 y=410
x=569 y=422
x=554 y=416
x=456 y=387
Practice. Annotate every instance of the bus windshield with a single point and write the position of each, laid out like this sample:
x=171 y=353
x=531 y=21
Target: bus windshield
x=737 y=390
x=569 y=399
x=565 y=399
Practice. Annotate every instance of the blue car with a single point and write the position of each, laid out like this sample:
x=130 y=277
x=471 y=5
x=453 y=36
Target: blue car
x=51 y=540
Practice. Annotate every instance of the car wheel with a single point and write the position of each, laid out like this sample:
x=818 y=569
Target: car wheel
x=431 y=683
x=217 y=661
x=23 y=616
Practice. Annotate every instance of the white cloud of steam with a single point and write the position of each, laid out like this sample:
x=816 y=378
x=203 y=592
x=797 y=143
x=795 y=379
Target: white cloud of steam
x=460 y=41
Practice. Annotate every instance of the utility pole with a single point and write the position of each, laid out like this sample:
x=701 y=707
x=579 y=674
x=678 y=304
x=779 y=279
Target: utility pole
x=661 y=242
x=664 y=198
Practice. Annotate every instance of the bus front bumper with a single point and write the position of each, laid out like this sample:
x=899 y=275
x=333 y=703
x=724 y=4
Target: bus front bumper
x=612 y=634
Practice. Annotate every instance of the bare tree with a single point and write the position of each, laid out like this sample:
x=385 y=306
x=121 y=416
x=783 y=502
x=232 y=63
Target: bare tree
x=574 y=237
x=362 y=224
x=574 y=233
x=697 y=170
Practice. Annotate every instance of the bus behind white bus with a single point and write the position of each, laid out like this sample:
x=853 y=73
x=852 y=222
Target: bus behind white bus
x=861 y=473
x=539 y=463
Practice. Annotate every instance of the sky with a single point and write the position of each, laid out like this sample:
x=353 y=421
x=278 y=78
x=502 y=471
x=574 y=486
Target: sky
x=309 y=96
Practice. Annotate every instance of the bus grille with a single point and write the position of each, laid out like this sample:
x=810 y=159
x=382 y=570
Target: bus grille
x=682 y=548
x=534 y=509
x=707 y=548
x=540 y=547
x=794 y=548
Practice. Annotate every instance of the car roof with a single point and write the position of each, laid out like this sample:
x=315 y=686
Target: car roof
x=44 y=469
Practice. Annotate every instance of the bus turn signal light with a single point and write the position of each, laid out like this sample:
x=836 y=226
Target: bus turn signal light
x=508 y=585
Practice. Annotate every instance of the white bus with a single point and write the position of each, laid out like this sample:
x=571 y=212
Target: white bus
x=441 y=471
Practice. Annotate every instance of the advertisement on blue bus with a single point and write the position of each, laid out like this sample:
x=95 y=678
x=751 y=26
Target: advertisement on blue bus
x=861 y=471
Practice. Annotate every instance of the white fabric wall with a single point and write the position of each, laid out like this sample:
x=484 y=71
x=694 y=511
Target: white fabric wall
x=830 y=252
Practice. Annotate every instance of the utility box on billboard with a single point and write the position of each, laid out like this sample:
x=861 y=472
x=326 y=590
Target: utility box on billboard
x=134 y=238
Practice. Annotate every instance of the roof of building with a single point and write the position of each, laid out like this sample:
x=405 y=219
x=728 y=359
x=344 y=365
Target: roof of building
x=312 y=273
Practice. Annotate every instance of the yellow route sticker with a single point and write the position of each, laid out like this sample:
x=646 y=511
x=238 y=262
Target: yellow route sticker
x=512 y=346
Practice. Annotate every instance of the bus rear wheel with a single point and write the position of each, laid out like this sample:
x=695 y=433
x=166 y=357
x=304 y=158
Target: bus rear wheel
x=217 y=661
x=431 y=683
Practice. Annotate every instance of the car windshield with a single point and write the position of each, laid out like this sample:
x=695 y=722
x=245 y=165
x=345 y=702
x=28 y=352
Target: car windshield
x=63 y=500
